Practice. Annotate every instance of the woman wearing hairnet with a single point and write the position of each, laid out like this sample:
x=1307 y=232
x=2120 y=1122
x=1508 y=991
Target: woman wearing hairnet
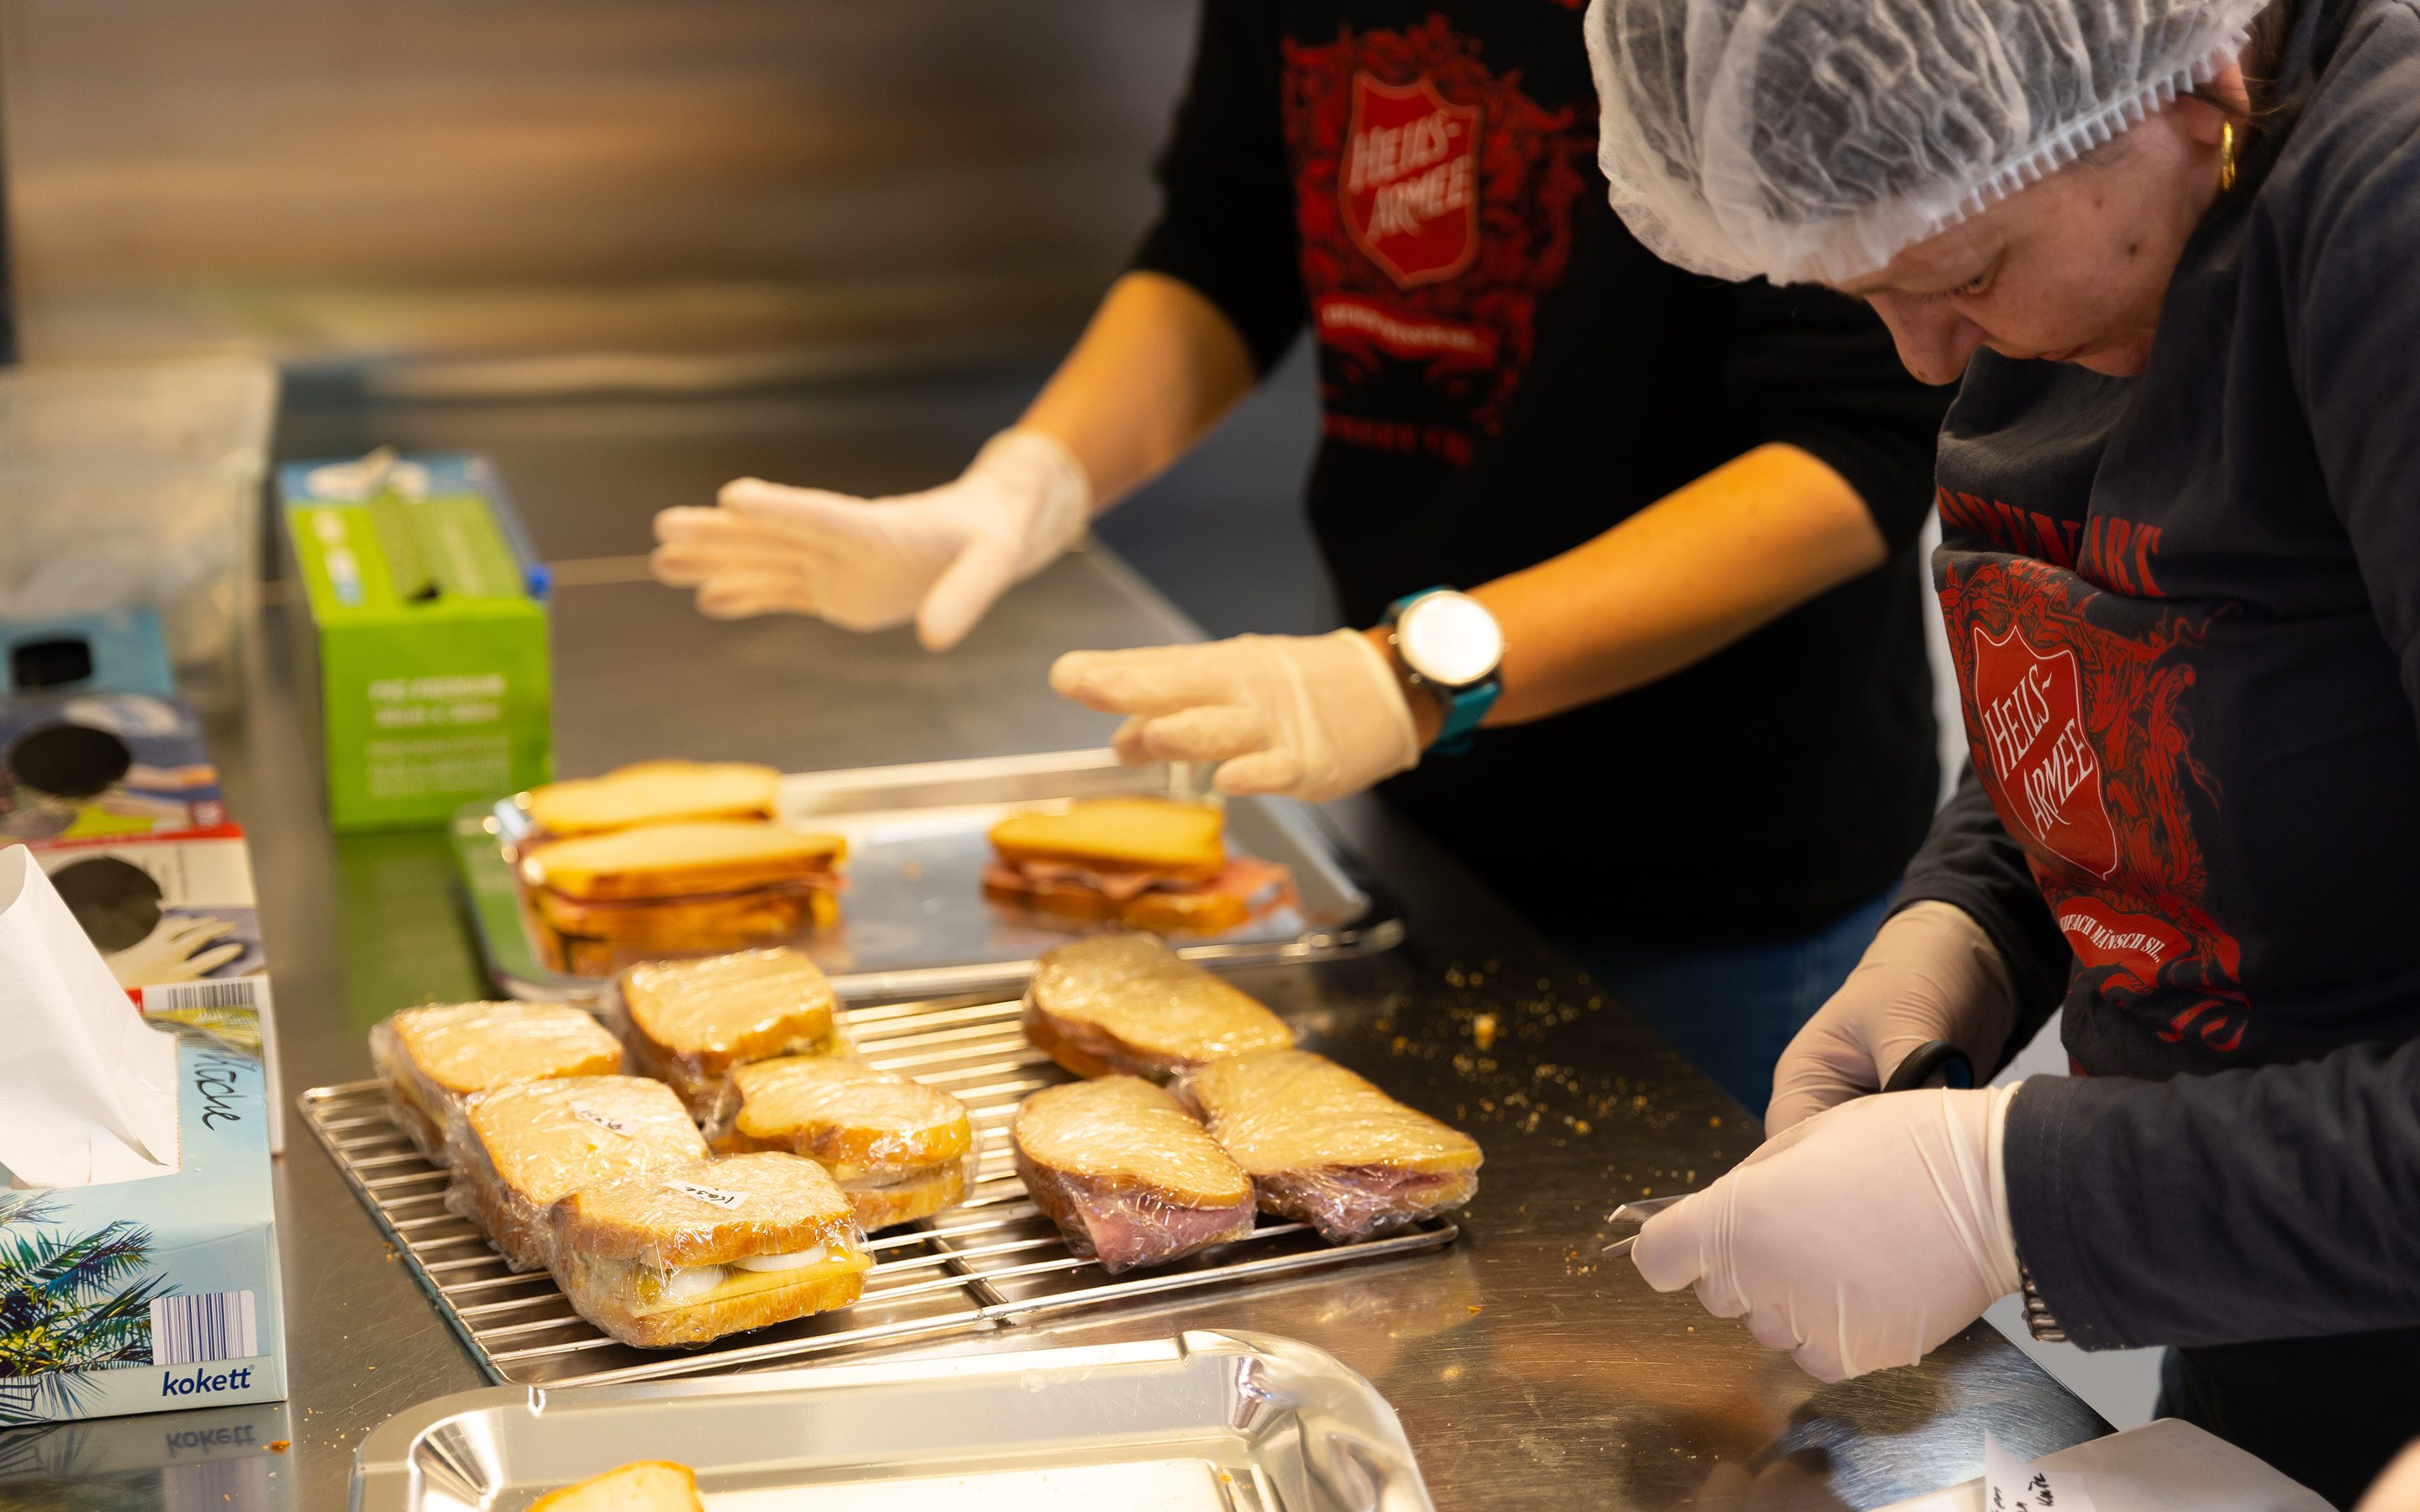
x=2170 y=245
x=1723 y=484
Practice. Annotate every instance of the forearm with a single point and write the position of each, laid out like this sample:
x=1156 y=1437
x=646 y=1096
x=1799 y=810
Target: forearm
x=1156 y=368
x=1681 y=579
x=2214 y=1210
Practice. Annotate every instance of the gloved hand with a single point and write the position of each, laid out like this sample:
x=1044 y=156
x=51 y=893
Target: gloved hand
x=1931 y=974
x=942 y=556
x=1860 y=1239
x=178 y=950
x=1308 y=716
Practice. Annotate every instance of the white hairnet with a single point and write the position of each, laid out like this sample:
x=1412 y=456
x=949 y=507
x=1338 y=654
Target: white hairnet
x=1814 y=139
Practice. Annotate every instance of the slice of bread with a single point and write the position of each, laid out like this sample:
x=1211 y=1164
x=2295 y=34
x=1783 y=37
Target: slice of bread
x=1126 y=1003
x=522 y=1148
x=1324 y=1146
x=854 y=1119
x=432 y=1057
x=1184 y=842
x=1127 y=1174
x=887 y=1202
x=661 y=862
x=679 y=1254
x=646 y=1485
x=655 y=793
x=690 y=1022
x=1202 y=910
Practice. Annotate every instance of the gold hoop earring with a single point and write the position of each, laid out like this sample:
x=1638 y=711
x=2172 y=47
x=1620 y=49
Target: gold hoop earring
x=2225 y=156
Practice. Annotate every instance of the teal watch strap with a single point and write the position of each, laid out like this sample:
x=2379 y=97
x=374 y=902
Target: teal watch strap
x=1463 y=707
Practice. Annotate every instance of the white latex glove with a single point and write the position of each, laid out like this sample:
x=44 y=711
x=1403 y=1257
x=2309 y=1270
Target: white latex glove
x=178 y=950
x=1308 y=716
x=1859 y=1240
x=1931 y=974
x=941 y=557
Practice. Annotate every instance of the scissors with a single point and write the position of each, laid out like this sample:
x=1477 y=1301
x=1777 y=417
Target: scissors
x=1934 y=1058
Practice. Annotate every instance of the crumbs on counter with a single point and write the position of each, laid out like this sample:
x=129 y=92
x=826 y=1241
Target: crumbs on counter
x=278 y=1446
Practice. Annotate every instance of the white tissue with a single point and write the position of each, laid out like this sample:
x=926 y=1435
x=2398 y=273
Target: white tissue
x=87 y=1090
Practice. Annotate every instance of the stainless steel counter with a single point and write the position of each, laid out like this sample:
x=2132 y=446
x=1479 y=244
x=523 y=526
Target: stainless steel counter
x=1528 y=1373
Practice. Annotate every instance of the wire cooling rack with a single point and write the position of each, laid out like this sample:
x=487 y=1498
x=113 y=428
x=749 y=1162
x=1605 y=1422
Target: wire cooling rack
x=994 y=1262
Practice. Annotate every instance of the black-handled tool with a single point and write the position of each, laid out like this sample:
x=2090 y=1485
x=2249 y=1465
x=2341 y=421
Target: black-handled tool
x=1934 y=1058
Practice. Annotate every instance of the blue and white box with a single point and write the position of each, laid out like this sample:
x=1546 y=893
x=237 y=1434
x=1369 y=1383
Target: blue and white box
x=160 y=1293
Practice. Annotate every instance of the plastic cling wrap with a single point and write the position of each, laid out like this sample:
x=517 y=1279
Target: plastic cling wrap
x=684 y=1253
x=900 y=1149
x=1324 y=1146
x=690 y=1022
x=1126 y=1003
x=1127 y=1174
x=518 y=1149
x=432 y=1058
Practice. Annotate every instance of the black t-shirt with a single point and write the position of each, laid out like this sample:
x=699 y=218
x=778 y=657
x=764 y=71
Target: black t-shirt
x=1505 y=373
x=2185 y=613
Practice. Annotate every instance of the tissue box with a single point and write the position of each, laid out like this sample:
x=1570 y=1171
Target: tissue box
x=157 y=1294
x=428 y=622
x=103 y=765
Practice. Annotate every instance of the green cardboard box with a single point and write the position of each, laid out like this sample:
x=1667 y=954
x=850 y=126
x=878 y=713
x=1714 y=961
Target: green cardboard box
x=426 y=620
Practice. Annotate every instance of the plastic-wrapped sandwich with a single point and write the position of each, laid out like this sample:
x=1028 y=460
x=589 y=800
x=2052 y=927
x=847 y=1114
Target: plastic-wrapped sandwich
x=1327 y=1148
x=655 y=793
x=690 y=1022
x=1127 y=1174
x=900 y=1149
x=518 y=1149
x=1126 y=1003
x=683 y=1254
x=432 y=1059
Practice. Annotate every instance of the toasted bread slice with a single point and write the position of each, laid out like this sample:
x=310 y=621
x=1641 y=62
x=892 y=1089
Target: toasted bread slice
x=1327 y=1148
x=646 y=1486
x=685 y=923
x=690 y=1253
x=1206 y=910
x=661 y=862
x=521 y=1148
x=690 y=1022
x=1127 y=1174
x=887 y=1201
x=655 y=793
x=432 y=1057
x=850 y=1118
x=1126 y=1003
x=1185 y=842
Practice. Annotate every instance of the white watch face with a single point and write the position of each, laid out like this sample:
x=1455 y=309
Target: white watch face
x=1450 y=638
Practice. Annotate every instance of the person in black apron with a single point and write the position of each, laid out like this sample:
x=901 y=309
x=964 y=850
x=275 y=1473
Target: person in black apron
x=1710 y=748
x=2169 y=247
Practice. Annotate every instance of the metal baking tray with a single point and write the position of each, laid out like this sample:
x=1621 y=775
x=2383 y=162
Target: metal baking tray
x=992 y=1264
x=1203 y=1422
x=914 y=920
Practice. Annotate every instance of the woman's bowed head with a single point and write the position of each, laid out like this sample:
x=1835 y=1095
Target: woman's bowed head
x=2020 y=175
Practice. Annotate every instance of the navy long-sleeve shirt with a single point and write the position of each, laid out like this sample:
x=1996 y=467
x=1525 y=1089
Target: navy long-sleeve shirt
x=2185 y=613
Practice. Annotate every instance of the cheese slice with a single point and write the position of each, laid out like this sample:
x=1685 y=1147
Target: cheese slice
x=658 y=1291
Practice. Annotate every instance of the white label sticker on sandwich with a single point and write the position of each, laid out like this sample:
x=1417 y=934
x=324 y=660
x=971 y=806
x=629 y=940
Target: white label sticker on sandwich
x=728 y=1201
x=626 y=1127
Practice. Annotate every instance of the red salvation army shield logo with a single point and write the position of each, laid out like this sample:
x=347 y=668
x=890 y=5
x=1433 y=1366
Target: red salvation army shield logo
x=2031 y=709
x=1410 y=180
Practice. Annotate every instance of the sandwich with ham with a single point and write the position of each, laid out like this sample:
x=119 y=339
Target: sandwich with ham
x=598 y=900
x=688 y=1253
x=900 y=1149
x=1127 y=1175
x=1326 y=1148
x=1146 y=863
x=521 y=1149
x=1126 y=1003
x=434 y=1059
x=689 y=1022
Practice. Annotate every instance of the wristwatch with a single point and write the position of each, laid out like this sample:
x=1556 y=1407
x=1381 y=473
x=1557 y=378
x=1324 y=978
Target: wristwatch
x=1449 y=644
